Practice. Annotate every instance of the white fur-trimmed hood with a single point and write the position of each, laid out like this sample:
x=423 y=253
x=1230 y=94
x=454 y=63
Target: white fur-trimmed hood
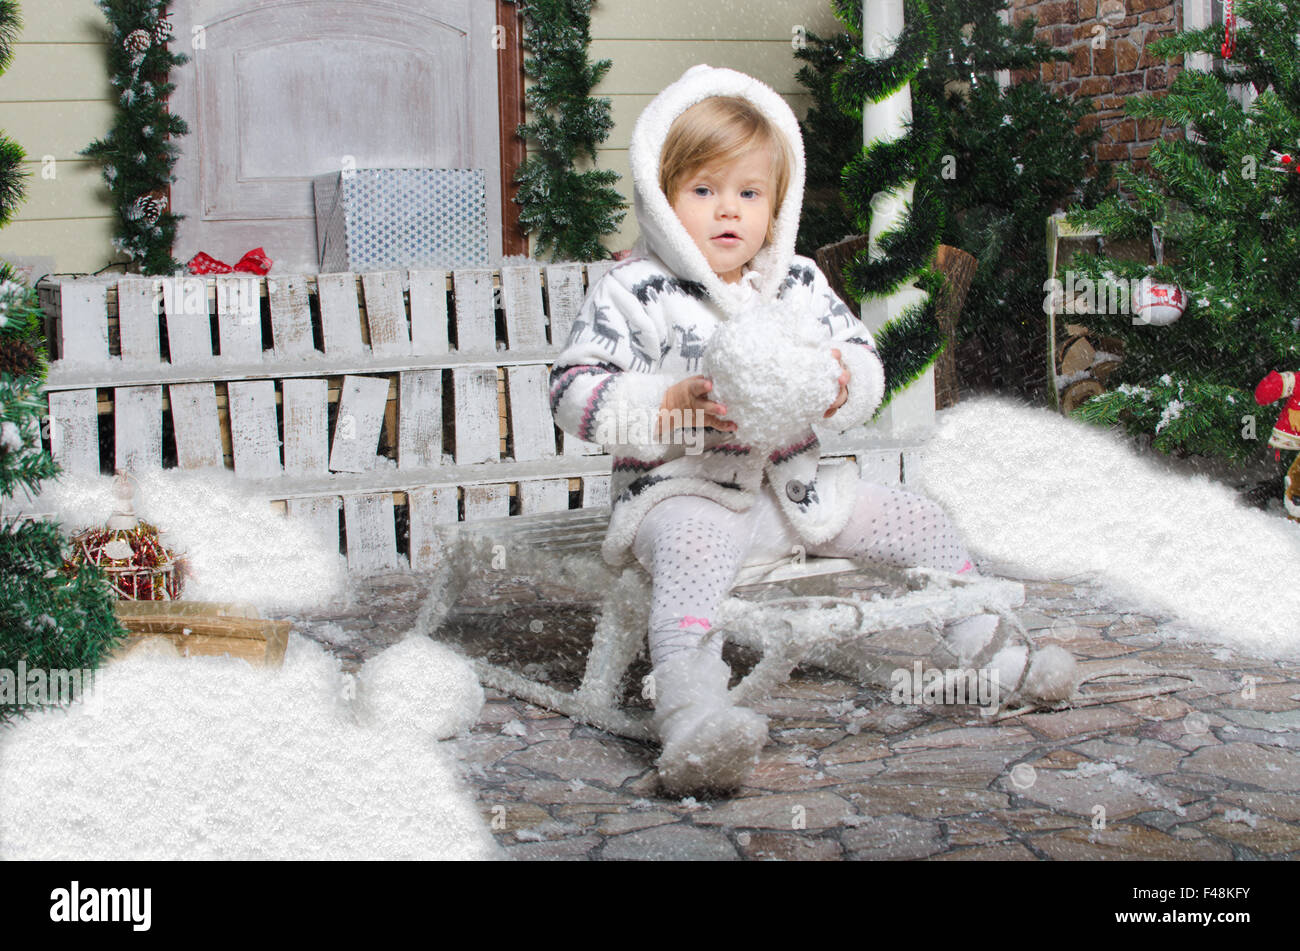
x=662 y=234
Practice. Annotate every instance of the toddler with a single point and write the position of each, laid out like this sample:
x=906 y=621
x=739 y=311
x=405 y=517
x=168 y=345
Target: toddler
x=718 y=165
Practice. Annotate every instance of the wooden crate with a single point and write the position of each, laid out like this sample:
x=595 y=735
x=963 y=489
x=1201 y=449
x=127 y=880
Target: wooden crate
x=205 y=629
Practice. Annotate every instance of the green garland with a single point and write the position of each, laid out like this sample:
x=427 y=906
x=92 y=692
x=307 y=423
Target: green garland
x=566 y=211
x=910 y=343
x=137 y=155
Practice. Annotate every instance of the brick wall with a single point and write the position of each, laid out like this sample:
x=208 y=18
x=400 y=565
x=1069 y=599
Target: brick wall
x=1123 y=67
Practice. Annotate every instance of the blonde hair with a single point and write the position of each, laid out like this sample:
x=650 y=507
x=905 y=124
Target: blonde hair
x=720 y=130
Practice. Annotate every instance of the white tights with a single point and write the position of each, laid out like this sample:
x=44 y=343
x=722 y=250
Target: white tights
x=693 y=547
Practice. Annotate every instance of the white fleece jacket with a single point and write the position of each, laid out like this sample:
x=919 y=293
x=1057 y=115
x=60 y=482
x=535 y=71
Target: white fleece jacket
x=646 y=324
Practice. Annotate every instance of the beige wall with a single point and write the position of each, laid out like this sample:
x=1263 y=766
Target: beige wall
x=757 y=41
x=56 y=99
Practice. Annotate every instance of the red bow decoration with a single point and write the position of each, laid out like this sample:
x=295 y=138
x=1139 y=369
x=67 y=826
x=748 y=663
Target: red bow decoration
x=254 y=262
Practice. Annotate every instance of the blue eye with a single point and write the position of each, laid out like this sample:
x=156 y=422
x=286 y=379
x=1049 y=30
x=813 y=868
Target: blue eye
x=749 y=193
x=701 y=190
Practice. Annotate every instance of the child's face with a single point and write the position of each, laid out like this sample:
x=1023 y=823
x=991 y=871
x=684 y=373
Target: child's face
x=726 y=210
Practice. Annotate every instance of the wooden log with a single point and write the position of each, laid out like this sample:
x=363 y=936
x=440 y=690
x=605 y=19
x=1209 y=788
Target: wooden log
x=958 y=268
x=1077 y=393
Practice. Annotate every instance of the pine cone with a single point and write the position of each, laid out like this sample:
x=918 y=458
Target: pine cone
x=17 y=358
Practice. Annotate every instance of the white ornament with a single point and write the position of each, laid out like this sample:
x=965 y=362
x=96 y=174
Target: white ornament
x=773 y=370
x=1158 y=304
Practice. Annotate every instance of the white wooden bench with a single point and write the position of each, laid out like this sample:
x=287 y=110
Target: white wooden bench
x=400 y=401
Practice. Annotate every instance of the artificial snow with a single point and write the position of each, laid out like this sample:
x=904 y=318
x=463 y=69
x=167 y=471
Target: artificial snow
x=1051 y=497
x=421 y=687
x=237 y=547
x=774 y=373
x=209 y=758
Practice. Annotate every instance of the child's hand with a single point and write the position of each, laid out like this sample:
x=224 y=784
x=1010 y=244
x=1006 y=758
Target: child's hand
x=844 y=385
x=685 y=405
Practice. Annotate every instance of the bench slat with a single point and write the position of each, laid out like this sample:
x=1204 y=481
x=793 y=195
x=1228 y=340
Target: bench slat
x=239 y=319
x=486 y=501
x=530 y=414
x=340 y=317
x=385 y=313
x=290 y=316
x=306 y=428
x=428 y=312
x=83 y=327
x=371 y=532
x=189 y=325
x=427 y=509
x=137 y=428
x=196 y=424
x=543 y=495
x=478 y=428
x=254 y=443
x=521 y=298
x=74 y=431
x=361 y=416
x=564 y=293
x=595 y=491
x=321 y=516
x=419 y=419
x=475 y=314
x=137 y=320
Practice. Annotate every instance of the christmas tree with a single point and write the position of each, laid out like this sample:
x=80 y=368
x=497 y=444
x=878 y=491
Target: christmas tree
x=48 y=621
x=987 y=137
x=11 y=155
x=566 y=210
x=1221 y=207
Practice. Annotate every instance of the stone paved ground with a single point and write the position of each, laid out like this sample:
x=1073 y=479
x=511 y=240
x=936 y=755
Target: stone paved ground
x=1211 y=772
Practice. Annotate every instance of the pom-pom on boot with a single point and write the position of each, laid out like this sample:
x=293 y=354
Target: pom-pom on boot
x=709 y=744
x=987 y=641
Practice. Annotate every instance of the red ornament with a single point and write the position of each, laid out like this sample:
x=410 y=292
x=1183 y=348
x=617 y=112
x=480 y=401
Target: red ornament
x=1229 y=30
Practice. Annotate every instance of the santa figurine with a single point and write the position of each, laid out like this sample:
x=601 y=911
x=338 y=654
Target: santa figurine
x=1286 y=432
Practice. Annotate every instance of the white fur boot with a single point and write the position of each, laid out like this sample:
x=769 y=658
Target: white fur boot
x=708 y=743
x=984 y=640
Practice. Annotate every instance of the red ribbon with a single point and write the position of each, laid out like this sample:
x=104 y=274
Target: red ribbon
x=1229 y=31
x=254 y=262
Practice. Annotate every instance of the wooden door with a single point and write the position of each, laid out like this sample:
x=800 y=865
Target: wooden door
x=280 y=90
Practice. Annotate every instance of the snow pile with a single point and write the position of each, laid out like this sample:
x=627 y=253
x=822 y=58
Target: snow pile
x=773 y=372
x=209 y=758
x=1052 y=497
x=421 y=687
x=237 y=547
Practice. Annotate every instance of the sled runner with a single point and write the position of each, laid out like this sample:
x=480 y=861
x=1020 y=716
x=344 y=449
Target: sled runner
x=834 y=633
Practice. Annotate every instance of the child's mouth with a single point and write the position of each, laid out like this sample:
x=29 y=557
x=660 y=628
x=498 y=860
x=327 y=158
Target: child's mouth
x=727 y=237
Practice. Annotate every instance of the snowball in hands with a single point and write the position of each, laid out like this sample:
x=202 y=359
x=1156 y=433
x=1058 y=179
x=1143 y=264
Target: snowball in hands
x=774 y=372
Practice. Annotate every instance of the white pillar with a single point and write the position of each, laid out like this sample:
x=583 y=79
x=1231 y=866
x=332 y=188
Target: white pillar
x=911 y=411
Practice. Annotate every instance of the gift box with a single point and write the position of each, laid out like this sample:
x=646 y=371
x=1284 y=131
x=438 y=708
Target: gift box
x=375 y=219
